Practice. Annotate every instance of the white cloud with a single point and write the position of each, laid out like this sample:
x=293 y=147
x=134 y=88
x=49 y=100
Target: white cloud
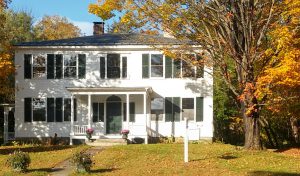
x=85 y=27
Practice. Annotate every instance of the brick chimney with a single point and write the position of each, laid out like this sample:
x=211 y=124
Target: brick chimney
x=98 y=28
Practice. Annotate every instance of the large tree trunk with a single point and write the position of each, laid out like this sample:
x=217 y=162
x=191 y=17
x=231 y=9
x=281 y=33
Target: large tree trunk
x=295 y=130
x=251 y=127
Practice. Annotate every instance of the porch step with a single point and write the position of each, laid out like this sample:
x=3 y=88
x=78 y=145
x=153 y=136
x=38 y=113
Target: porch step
x=107 y=142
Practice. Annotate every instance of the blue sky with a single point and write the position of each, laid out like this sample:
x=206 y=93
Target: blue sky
x=75 y=10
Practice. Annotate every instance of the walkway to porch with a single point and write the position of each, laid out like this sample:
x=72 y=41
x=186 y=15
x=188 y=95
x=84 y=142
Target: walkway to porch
x=115 y=116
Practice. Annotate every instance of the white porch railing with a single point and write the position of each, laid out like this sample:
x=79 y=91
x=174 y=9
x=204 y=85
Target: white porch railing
x=80 y=129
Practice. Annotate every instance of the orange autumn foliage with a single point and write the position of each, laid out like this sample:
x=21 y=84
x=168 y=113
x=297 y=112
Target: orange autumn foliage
x=281 y=79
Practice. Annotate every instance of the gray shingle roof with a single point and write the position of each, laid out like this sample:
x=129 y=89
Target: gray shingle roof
x=108 y=40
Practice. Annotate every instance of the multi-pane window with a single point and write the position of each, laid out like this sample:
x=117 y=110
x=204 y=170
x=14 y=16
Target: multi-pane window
x=55 y=66
x=70 y=66
x=39 y=66
x=113 y=66
x=153 y=65
x=188 y=108
x=157 y=65
x=39 y=109
x=157 y=109
x=98 y=112
x=50 y=109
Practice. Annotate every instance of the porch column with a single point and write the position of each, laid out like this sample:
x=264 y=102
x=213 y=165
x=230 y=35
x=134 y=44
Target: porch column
x=127 y=110
x=72 y=119
x=89 y=110
x=6 y=110
x=145 y=115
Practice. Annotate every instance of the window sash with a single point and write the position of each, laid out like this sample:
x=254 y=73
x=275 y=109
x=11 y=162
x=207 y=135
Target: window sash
x=38 y=109
x=157 y=65
x=39 y=66
x=188 y=108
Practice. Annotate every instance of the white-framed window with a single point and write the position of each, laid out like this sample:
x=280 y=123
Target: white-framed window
x=157 y=109
x=188 y=109
x=70 y=66
x=39 y=66
x=39 y=109
x=49 y=109
x=113 y=66
x=54 y=66
x=157 y=65
x=161 y=66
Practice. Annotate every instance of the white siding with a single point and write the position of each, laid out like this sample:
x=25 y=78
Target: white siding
x=186 y=87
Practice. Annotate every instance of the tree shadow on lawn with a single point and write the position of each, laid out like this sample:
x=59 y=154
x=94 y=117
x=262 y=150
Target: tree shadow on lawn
x=226 y=156
x=270 y=173
x=8 y=150
x=49 y=170
x=103 y=170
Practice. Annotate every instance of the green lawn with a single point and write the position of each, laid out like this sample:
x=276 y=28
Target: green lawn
x=163 y=159
x=43 y=158
x=205 y=159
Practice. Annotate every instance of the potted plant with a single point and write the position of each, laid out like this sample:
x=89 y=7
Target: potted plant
x=125 y=134
x=19 y=161
x=89 y=133
x=82 y=161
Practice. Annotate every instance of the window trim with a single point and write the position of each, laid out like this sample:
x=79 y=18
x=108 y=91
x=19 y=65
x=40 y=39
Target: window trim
x=150 y=66
x=163 y=110
x=46 y=111
x=121 y=66
x=32 y=66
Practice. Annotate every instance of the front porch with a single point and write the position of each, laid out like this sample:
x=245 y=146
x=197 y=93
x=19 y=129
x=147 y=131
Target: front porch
x=109 y=110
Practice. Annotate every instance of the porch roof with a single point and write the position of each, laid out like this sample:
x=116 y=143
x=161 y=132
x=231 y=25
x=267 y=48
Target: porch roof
x=109 y=90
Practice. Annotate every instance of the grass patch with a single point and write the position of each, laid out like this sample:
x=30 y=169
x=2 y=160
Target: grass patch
x=205 y=159
x=43 y=158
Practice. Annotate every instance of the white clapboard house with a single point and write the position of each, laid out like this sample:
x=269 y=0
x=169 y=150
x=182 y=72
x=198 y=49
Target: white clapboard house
x=109 y=82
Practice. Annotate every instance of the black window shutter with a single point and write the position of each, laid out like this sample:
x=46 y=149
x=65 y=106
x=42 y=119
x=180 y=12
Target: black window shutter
x=95 y=112
x=58 y=66
x=75 y=109
x=168 y=109
x=50 y=66
x=50 y=109
x=199 y=109
x=168 y=65
x=58 y=109
x=176 y=109
x=67 y=109
x=101 y=112
x=132 y=112
x=176 y=68
x=27 y=66
x=27 y=109
x=81 y=66
x=124 y=67
x=145 y=65
x=102 y=67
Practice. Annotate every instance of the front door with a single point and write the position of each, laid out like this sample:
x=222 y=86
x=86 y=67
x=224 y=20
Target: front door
x=113 y=118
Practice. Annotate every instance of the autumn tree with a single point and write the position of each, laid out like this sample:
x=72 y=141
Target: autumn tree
x=280 y=81
x=55 y=27
x=6 y=62
x=227 y=31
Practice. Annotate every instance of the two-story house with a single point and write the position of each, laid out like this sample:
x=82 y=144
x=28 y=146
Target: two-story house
x=109 y=82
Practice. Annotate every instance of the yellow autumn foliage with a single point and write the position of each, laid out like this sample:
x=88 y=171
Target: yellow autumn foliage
x=280 y=80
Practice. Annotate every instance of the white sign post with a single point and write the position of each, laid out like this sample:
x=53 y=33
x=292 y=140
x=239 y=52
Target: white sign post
x=186 y=141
